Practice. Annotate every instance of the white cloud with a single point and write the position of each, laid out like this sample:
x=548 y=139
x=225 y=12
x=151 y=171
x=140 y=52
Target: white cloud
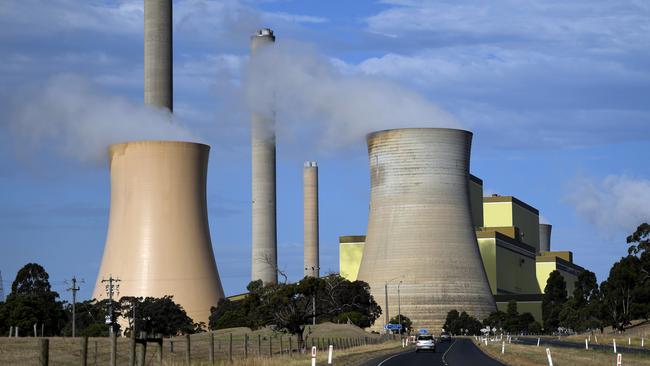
x=616 y=204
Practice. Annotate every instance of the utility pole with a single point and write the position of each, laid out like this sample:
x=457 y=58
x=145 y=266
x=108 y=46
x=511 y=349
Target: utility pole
x=2 y=289
x=74 y=288
x=386 y=298
x=399 y=310
x=112 y=287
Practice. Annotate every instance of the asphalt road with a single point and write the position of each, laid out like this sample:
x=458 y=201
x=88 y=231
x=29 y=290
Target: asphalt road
x=559 y=343
x=459 y=352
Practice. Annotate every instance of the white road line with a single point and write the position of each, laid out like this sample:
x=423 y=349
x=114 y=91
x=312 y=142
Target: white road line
x=382 y=362
x=447 y=351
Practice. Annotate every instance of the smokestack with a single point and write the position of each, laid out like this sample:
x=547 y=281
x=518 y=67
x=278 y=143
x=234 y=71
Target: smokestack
x=310 y=218
x=158 y=55
x=420 y=230
x=264 y=247
x=545 y=237
x=158 y=240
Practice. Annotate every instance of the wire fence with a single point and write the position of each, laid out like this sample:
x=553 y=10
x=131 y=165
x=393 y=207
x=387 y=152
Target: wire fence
x=203 y=348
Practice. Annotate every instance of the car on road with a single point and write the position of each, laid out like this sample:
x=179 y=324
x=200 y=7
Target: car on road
x=425 y=342
x=445 y=337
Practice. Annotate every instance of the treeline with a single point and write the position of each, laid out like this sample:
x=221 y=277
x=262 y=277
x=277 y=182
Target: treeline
x=32 y=303
x=291 y=307
x=621 y=298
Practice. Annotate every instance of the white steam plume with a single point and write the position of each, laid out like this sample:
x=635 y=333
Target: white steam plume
x=617 y=204
x=310 y=96
x=70 y=115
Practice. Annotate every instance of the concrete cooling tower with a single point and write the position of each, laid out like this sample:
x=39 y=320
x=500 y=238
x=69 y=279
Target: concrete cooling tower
x=420 y=229
x=545 y=237
x=158 y=239
x=264 y=256
x=310 y=218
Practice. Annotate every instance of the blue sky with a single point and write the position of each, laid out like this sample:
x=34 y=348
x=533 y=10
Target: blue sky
x=556 y=93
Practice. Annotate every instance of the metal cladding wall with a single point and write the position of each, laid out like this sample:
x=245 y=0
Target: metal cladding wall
x=158 y=55
x=545 y=237
x=420 y=227
x=310 y=218
x=158 y=240
x=264 y=258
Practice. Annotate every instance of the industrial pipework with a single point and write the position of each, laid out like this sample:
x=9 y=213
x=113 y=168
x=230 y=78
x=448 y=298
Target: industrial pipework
x=420 y=233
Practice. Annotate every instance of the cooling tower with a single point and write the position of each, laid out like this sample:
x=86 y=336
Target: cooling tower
x=310 y=218
x=545 y=237
x=420 y=227
x=158 y=240
x=264 y=257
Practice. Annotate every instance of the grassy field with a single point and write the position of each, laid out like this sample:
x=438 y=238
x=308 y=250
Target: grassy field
x=264 y=347
x=520 y=355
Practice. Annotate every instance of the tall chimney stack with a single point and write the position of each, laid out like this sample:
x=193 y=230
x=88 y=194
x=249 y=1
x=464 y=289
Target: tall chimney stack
x=310 y=218
x=158 y=56
x=545 y=237
x=264 y=247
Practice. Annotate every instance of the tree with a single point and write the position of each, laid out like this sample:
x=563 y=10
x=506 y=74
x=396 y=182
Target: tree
x=512 y=318
x=339 y=299
x=91 y=315
x=582 y=311
x=406 y=323
x=462 y=323
x=157 y=315
x=496 y=320
x=554 y=297
x=621 y=291
x=32 y=301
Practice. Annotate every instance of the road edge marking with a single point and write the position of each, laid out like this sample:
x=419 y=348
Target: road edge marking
x=444 y=355
x=393 y=356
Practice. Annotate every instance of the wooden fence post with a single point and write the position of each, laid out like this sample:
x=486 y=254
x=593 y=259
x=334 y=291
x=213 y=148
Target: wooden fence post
x=211 y=349
x=132 y=347
x=160 y=350
x=188 y=350
x=113 y=349
x=281 y=346
x=259 y=344
x=44 y=356
x=84 y=351
x=270 y=346
x=142 y=355
x=246 y=345
x=230 y=348
x=290 y=348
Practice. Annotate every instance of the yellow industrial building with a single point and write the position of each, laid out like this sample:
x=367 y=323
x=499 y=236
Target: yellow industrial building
x=508 y=235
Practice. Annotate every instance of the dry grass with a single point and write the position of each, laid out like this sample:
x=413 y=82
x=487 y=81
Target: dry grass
x=261 y=344
x=521 y=355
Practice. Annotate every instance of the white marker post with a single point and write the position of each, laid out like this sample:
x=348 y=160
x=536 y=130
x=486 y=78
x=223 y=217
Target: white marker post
x=503 y=347
x=313 y=356
x=629 y=341
x=329 y=355
x=537 y=342
x=486 y=341
x=548 y=355
x=614 y=340
x=595 y=336
x=641 y=342
x=586 y=344
x=619 y=360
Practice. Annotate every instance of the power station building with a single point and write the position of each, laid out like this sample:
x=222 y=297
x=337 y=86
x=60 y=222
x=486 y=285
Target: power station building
x=514 y=247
